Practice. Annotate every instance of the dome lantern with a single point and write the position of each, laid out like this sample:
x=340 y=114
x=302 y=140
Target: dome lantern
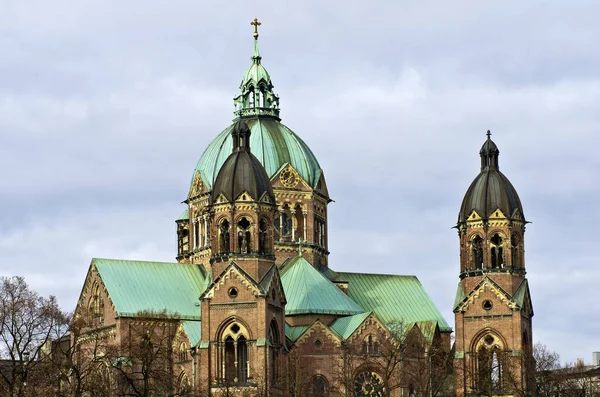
x=257 y=97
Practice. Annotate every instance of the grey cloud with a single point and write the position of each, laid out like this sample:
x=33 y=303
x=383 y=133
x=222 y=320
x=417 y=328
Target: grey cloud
x=106 y=106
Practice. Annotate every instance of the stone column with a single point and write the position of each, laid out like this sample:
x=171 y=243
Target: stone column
x=304 y=214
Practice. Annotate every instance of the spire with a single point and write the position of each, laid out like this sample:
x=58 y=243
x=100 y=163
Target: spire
x=257 y=97
x=489 y=153
x=256 y=56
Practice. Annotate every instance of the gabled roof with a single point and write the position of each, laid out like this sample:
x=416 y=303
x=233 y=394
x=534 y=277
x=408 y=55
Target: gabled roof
x=346 y=326
x=185 y=215
x=293 y=333
x=135 y=286
x=522 y=297
x=393 y=298
x=460 y=296
x=309 y=292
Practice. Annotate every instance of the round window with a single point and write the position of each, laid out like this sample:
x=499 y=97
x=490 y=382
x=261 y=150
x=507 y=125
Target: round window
x=233 y=292
x=487 y=305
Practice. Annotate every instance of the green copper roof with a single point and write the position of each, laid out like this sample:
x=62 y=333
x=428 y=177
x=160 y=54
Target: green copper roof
x=271 y=142
x=185 y=215
x=136 y=286
x=293 y=333
x=393 y=298
x=460 y=295
x=309 y=292
x=193 y=330
x=346 y=326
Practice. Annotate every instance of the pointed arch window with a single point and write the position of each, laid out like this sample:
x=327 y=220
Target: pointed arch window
x=515 y=252
x=244 y=237
x=233 y=355
x=370 y=345
x=489 y=367
x=224 y=237
x=497 y=252
x=96 y=305
x=263 y=238
x=319 y=386
x=477 y=252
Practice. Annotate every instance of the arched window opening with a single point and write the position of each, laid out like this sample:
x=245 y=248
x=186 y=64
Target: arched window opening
x=233 y=354
x=525 y=341
x=224 y=244
x=183 y=242
x=320 y=230
x=182 y=353
x=489 y=366
x=243 y=232
x=274 y=349
x=263 y=238
x=284 y=224
x=96 y=305
x=183 y=385
x=319 y=386
x=514 y=251
x=477 y=252
x=370 y=345
x=300 y=220
x=497 y=253
x=251 y=96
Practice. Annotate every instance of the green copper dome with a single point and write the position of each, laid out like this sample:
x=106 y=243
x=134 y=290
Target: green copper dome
x=271 y=142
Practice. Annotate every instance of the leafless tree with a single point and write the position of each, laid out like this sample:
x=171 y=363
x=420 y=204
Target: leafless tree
x=27 y=323
x=143 y=362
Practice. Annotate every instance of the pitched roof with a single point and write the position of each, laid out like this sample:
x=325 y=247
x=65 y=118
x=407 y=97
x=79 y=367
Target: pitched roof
x=309 y=292
x=393 y=298
x=135 y=286
x=293 y=333
x=185 y=215
x=460 y=296
x=346 y=326
x=193 y=330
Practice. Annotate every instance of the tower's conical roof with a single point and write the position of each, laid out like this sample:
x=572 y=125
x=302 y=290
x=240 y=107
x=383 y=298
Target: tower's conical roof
x=491 y=189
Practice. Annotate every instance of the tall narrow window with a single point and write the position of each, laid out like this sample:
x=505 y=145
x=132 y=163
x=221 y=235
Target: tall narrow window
x=477 y=253
x=224 y=245
x=497 y=254
x=262 y=237
x=319 y=386
x=489 y=367
x=243 y=232
x=514 y=251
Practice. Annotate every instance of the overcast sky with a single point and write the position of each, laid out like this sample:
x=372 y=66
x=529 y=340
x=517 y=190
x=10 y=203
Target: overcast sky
x=106 y=106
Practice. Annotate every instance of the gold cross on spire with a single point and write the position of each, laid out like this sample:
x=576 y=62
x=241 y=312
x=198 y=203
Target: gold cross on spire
x=256 y=24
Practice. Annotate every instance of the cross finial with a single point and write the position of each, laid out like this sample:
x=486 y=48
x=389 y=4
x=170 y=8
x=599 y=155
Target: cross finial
x=489 y=134
x=300 y=244
x=256 y=24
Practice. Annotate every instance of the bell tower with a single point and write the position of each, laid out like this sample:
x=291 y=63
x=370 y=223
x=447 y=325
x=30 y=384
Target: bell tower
x=493 y=309
x=243 y=305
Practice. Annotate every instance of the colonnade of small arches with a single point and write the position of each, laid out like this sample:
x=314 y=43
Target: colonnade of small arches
x=501 y=252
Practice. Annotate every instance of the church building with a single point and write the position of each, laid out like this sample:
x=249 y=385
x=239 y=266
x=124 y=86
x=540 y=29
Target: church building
x=254 y=308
